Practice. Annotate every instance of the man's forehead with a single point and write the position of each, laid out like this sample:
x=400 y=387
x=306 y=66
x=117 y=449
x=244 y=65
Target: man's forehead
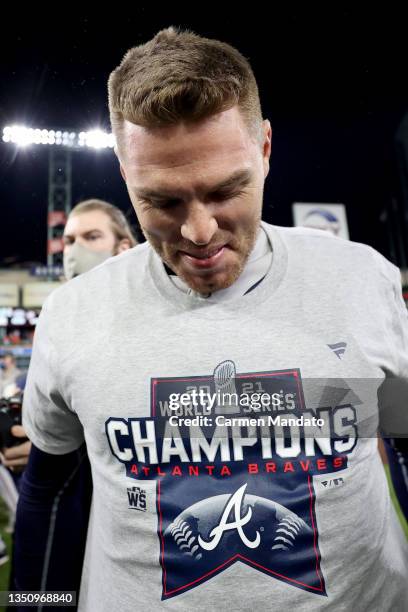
x=87 y=221
x=219 y=136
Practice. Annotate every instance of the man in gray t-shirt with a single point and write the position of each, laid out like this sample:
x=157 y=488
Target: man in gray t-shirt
x=224 y=375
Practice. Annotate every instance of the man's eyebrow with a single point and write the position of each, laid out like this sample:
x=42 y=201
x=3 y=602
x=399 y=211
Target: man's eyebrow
x=96 y=229
x=238 y=178
x=241 y=177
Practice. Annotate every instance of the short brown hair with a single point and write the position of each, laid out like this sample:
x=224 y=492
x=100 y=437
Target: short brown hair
x=180 y=76
x=119 y=224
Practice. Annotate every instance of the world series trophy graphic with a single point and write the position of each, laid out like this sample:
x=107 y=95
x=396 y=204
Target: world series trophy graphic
x=225 y=389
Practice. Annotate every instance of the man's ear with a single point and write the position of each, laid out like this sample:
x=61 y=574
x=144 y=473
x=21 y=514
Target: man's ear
x=123 y=245
x=267 y=145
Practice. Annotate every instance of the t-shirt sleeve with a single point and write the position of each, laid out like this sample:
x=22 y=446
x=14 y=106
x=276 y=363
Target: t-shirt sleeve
x=394 y=392
x=48 y=420
x=401 y=328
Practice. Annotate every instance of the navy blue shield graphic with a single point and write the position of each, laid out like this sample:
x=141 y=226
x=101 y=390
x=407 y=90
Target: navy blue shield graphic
x=220 y=529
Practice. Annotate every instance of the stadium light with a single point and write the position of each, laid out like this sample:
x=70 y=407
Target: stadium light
x=23 y=136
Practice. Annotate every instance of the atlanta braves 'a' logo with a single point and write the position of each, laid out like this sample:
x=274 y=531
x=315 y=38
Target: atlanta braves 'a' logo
x=234 y=503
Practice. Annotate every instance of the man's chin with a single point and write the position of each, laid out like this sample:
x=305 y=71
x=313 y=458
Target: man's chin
x=213 y=282
x=208 y=281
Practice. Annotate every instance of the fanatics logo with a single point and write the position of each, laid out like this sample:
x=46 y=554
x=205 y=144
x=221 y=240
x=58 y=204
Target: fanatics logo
x=338 y=349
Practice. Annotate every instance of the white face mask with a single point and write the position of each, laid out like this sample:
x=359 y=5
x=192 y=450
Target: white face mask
x=79 y=259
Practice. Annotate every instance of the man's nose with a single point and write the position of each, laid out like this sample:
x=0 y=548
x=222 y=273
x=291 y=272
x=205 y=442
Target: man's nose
x=199 y=225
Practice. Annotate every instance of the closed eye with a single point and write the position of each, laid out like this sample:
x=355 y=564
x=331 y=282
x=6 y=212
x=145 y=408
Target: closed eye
x=216 y=196
x=223 y=196
x=93 y=236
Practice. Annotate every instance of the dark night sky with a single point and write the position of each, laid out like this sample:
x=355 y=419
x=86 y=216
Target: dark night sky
x=333 y=84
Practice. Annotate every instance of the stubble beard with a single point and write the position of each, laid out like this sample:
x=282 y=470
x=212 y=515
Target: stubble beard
x=199 y=283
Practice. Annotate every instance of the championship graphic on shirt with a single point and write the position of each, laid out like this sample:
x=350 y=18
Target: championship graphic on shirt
x=233 y=456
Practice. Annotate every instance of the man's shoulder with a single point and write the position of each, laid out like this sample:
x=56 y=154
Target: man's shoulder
x=315 y=238
x=323 y=247
x=113 y=273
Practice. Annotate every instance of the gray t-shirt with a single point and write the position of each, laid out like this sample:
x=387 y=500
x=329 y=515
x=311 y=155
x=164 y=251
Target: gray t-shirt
x=224 y=513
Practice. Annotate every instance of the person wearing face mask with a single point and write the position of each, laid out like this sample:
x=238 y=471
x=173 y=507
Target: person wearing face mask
x=94 y=232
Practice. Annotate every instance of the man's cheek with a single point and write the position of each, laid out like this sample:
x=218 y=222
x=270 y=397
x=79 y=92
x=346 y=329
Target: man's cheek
x=161 y=235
